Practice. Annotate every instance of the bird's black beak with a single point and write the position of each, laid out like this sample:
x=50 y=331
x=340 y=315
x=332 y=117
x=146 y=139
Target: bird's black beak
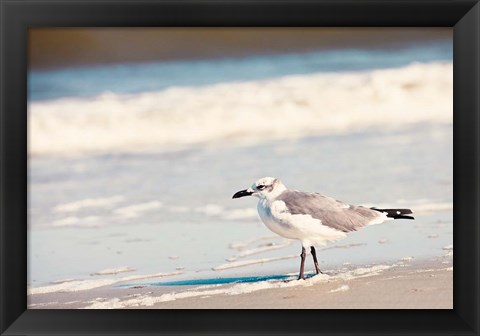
x=242 y=193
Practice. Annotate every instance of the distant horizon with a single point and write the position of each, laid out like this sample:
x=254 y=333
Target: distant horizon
x=58 y=48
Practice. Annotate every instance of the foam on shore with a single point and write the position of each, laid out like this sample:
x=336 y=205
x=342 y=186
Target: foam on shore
x=243 y=263
x=237 y=289
x=81 y=285
x=261 y=249
x=110 y=271
x=101 y=202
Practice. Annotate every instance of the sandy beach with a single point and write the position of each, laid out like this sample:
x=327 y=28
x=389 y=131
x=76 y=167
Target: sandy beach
x=403 y=285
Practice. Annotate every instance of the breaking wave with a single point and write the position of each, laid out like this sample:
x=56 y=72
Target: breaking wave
x=257 y=110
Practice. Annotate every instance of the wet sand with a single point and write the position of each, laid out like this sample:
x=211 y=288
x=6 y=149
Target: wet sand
x=404 y=285
x=402 y=288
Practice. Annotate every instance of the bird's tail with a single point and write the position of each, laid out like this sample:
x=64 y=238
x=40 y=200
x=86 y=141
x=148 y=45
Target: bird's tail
x=396 y=213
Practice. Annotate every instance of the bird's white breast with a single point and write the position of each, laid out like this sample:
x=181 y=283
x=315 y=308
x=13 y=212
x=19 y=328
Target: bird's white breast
x=281 y=228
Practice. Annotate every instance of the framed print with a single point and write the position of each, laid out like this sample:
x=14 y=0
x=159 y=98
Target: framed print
x=112 y=141
x=202 y=164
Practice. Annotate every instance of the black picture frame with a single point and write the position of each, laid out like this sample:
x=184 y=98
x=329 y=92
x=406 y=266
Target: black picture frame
x=17 y=16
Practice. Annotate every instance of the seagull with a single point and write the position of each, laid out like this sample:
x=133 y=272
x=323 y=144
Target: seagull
x=312 y=218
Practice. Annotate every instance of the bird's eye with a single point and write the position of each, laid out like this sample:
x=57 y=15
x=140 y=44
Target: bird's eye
x=260 y=187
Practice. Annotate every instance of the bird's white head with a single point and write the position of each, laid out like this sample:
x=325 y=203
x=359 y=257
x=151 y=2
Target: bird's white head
x=266 y=187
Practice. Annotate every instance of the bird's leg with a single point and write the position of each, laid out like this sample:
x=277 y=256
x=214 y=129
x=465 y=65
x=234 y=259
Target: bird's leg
x=315 y=261
x=302 y=264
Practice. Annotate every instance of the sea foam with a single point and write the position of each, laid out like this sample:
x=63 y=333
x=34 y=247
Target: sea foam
x=237 y=289
x=258 y=110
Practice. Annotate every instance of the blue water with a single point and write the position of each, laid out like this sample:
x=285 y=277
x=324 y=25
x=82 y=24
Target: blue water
x=222 y=281
x=136 y=78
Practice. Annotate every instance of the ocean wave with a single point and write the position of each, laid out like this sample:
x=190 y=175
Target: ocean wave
x=135 y=210
x=88 y=221
x=240 y=245
x=259 y=110
x=250 y=262
x=261 y=249
x=75 y=206
x=114 y=271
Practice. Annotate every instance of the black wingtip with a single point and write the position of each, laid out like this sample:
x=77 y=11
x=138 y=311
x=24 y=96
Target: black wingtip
x=404 y=217
x=396 y=213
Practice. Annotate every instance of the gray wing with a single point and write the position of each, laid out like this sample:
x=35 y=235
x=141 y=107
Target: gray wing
x=331 y=212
